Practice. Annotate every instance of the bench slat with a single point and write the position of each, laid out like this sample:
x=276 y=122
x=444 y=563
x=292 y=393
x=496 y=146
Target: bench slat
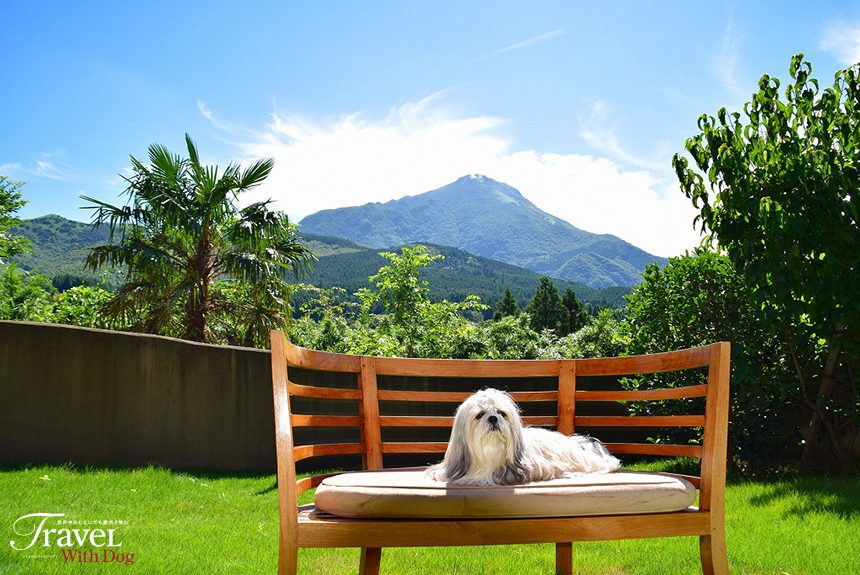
x=305 y=451
x=656 y=449
x=640 y=421
x=438 y=421
x=465 y=367
x=653 y=363
x=322 y=360
x=323 y=392
x=442 y=396
x=645 y=394
x=301 y=420
x=414 y=447
x=459 y=396
x=415 y=421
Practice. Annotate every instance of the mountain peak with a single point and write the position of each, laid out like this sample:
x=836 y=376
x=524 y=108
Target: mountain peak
x=476 y=178
x=481 y=183
x=491 y=219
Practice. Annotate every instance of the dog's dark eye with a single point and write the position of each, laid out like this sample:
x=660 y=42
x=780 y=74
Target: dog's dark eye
x=480 y=415
x=503 y=414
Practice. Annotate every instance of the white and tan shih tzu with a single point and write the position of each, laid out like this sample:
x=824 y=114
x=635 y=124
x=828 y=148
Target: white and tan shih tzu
x=490 y=446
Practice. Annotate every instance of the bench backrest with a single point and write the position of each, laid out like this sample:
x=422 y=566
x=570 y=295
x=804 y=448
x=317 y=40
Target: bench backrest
x=370 y=418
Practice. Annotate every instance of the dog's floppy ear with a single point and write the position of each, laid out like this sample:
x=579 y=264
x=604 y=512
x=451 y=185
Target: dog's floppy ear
x=457 y=461
x=515 y=471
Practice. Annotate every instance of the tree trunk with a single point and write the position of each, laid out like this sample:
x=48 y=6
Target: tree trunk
x=820 y=416
x=199 y=304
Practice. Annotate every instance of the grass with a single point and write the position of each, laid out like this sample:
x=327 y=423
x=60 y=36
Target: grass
x=181 y=522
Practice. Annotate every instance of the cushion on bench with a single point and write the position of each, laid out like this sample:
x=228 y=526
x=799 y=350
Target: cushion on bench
x=409 y=493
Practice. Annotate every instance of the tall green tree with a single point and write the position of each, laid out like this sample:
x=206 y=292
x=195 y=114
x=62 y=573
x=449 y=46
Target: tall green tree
x=545 y=308
x=11 y=200
x=411 y=324
x=778 y=188
x=181 y=230
x=401 y=290
x=577 y=316
x=507 y=306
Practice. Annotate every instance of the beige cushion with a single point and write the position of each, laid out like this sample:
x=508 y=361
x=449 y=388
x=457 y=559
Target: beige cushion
x=410 y=493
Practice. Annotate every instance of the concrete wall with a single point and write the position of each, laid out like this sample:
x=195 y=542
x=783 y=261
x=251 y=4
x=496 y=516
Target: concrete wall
x=109 y=398
x=99 y=397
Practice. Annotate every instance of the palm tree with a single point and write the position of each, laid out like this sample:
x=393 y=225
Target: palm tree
x=181 y=231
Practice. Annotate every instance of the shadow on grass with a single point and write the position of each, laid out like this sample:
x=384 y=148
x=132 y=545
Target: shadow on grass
x=783 y=489
x=836 y=496
x=83 y=469
x=269 y=489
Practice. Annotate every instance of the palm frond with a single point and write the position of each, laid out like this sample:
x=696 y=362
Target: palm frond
x=267 y=240
x=193 y=153
x=115 y=216
x=255 y=174
x=165 y=166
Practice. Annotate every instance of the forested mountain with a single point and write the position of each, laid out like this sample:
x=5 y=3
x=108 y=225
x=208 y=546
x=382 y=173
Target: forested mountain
x=493 y=220
x=59 y=249
x=458 y=275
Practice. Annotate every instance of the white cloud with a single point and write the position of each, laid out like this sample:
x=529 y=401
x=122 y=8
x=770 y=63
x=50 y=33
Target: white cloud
x=843 y=40
x=204 y=110
x=726 y=62
x=420 y=146
x=50 y=165
x=48 y=170
x=530 y=41
x=10 y=170
x=599 y=131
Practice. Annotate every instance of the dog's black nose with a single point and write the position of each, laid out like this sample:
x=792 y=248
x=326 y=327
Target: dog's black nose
x=493 y=420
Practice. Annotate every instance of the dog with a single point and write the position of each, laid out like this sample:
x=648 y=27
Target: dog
x=490 y=446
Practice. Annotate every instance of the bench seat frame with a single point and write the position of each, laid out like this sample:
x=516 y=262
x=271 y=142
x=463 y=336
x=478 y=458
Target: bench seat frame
x=306 y=527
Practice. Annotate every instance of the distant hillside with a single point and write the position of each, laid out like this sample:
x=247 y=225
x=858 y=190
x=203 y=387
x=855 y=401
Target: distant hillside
x=60 y=247
x=324 y=246
x=458 y=275
x=493 y=220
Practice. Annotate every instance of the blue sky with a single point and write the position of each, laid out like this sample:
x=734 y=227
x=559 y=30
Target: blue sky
x=580 y=105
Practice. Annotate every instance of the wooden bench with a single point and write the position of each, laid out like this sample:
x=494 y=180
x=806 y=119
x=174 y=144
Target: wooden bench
x=306 y=527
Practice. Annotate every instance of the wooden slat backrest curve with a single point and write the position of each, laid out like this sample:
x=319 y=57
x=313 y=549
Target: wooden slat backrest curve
x=372 y=447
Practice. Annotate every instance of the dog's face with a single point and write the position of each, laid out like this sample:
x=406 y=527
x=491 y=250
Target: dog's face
x=486 y=440
x=489 y=417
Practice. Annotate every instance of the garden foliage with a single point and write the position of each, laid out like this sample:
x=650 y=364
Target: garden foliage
x=11 y=201
x=778 y=189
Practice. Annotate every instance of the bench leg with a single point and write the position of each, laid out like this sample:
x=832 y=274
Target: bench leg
x=288 y=560
x=712 y=549
x=370 y=558
x=564 y=558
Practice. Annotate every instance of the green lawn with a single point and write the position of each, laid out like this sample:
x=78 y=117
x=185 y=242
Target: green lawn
x=179 y=522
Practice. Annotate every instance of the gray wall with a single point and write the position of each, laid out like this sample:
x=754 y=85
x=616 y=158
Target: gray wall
x=107 y=398
x=110 y=398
